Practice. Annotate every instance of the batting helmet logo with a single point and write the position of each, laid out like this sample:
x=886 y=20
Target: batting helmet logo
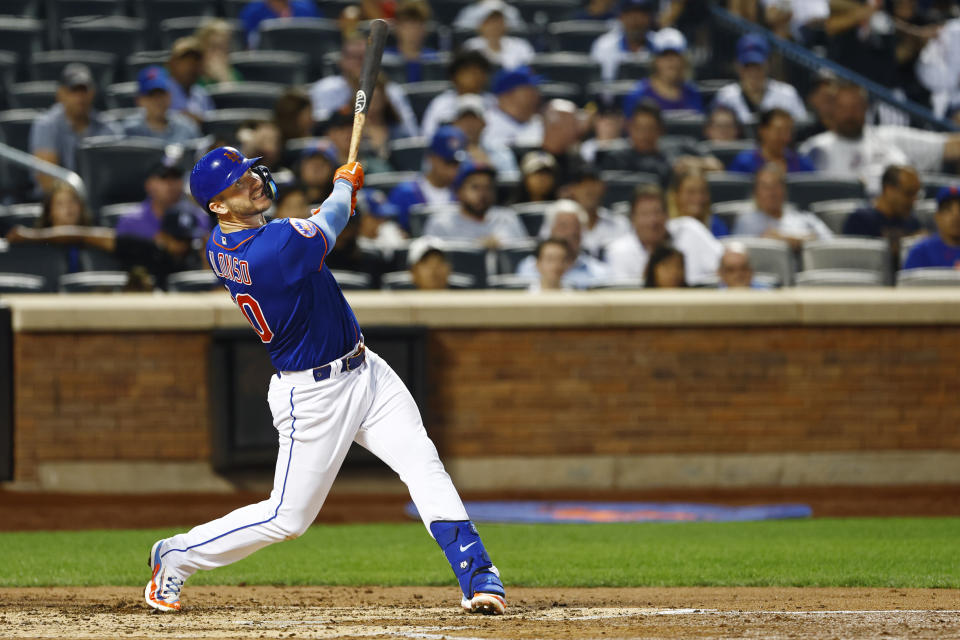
x=361 y=101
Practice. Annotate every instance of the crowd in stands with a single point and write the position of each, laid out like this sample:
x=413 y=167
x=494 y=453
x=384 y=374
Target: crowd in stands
x=540 y=144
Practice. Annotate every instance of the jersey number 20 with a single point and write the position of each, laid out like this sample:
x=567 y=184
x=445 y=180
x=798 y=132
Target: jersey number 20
x=254 y=314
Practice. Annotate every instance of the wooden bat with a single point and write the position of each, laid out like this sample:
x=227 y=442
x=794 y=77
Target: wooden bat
x=368 y=82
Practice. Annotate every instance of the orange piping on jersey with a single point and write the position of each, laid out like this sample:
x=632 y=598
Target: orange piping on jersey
x=324 y=258
x=231 y=248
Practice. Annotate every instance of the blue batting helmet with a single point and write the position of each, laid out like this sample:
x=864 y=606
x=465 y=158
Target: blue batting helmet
x=216 y=171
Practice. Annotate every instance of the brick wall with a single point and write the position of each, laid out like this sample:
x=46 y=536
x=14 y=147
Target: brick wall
x=694 y=390
x=109 y=396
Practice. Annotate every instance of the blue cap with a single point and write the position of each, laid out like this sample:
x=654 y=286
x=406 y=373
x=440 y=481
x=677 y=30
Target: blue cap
x=946 y=194
x=638 y=5
x=469 y=168
x=520 y=77
x=216 y=171
x=321 y=147
x=151 y=78
x=752 y=49
x=448 y=143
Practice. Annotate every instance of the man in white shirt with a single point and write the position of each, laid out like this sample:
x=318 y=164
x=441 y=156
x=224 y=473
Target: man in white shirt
x=469 y=71
x=854 y=149
x=774 y=218
x=473 y=14
x=938 y=67
x=508 y=52
x=627 y=40
x=755 y=92
x=476 y=219
x=603 y=226
x=627 y=256
x=516 y=119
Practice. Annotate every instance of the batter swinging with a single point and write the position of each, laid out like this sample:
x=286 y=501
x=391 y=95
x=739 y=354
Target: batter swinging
x=329 y=390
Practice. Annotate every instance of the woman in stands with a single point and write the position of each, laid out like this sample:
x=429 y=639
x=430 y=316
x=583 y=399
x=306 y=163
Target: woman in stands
x=689 y=195
x=216 y=38
x=665 y=269
x=64 y=207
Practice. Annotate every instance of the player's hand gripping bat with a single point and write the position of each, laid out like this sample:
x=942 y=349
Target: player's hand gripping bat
x=368 y=82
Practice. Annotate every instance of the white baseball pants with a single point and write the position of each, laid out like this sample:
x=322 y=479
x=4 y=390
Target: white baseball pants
x=317 y=422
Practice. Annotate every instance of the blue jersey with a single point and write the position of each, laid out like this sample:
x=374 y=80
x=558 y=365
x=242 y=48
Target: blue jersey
x=277 y=276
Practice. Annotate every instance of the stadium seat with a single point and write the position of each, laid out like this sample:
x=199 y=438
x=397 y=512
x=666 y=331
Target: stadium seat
x=544 y=11
x=421 y=212
x=567 y=66
x=510 y=281
x=768 y=256
x=575 y=35
x=387 y=180
x=193 y=281
x=847 y=253
x=725 y=186
x=47 y=261
x=406 y=154
x=403 y=281
x=729 y=211
x=933 y=181
x=232 y=8
x=97 y=260
x=121 y=95
x=110 y=213
x=930 y=277
x=511 y=255
x=469 y=259
x=22 y=36
x=532 y=215
x=24 y=213
x=33 y=95
x=562 y=90
x=725 y=151
x=245 y=95
x=118 y=35
x=24 y=8
x=48 y=65
x=174 y=28
x=834 y=213
x=222 y=123
x=141 y=59
x=612 y=90
x=633 y=70
x=15 y=131
x=803 y=189
x=421 y=93
x=621 y=185
x=446 y=11
x=312 y=36
x=22 y=283
x=838 y=278
x=708 y=89
x=352 y=280
x=93 y=282
x=508 y=186
x=395 y=68
x=8 y=75
x=672 y=146
x=677 y=123
x=925 y=211
x=59 y=10
x=156 y=11
x=114 y=170
x=285 y=67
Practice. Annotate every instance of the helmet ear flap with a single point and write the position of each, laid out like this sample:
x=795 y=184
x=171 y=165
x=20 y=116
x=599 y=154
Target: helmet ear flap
x=269 y=186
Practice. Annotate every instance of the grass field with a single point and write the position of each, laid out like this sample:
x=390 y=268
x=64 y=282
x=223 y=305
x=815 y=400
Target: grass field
x=888 y=552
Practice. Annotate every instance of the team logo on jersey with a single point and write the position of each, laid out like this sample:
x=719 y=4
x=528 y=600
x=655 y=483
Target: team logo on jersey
x=361 y=101
x=304 y=227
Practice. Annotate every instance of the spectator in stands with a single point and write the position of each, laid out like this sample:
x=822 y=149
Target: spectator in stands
x=602 y=226
x=433 y=186
x=471 y=119
x=515 y=120
x=378 y=222
x=607 y=123
x=215 y=38
x=155 y=119
x=735 y=270
x=471 y=16
x=383 y=123
x=668 y=85
x=722 y=125
x=913 y=31
x=860 y=36
x=891 y=213
x=410 y=30
x=507 y=52
x=774 y=135
x=665 y=269
x=551 y=263
x=563 y=126
x=429 y=266
x=627 y=256
x=821 y=99
x=262 y=138
x=259 y=10
x=293 y=113
x=755 y=92
x=627 y=40
x=470 y=74
x=318 y=161
x=539 y=181
x=339 y=131
x=774 y=217
x=63 y=207
x=55 y=135
x=689 y=195
x=186 y=66
x=476 y=219
x=565 y=221
x=937 y=67
x=348 y=254
x=292 y=203
x=941 y=249
x=854 y=149
x=335 y=92
x=802 y=20
x=164 y=189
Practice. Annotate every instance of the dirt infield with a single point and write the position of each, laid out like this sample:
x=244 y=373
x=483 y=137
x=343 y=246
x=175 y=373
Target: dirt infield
x=430 y=613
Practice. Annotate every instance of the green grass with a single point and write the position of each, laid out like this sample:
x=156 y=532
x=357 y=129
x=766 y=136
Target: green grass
x=889 y=552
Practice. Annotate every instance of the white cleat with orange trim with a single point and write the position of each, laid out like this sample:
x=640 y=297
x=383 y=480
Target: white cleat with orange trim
x=163 y=591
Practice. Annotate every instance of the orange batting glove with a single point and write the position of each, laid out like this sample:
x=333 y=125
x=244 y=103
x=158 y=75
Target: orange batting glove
x=352 y=172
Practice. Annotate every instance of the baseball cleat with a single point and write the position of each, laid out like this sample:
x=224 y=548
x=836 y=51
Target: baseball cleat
x=488 y=594
x=163 y=591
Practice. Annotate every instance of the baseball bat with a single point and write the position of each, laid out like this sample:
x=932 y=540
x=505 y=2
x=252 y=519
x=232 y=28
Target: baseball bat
x=368 y=82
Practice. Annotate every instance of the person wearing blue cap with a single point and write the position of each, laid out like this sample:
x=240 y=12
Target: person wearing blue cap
x=447 y=149
x=516 y=119
x=508 y=52
x=628 y=39
x=155 y=119
x=941 y=249
x=318 y=161
x=755 y=91
x=476 y=219
x=668 y=85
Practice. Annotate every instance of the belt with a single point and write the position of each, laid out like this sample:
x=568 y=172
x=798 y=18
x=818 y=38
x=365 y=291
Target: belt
x=338 y=366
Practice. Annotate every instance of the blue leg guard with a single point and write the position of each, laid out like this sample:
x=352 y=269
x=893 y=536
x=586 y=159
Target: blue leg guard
x=464 y=550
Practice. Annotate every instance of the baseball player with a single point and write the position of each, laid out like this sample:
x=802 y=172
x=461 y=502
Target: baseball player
x=329 y=390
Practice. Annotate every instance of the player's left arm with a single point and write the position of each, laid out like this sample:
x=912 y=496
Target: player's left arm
x=336 y=210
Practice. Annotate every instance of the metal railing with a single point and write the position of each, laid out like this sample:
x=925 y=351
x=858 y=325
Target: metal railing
x=15 y=156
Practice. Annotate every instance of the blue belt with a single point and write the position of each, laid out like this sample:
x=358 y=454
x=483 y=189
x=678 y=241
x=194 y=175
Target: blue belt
x=348 y=363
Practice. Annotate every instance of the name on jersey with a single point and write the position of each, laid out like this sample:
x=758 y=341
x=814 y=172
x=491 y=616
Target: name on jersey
x=230 y=267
